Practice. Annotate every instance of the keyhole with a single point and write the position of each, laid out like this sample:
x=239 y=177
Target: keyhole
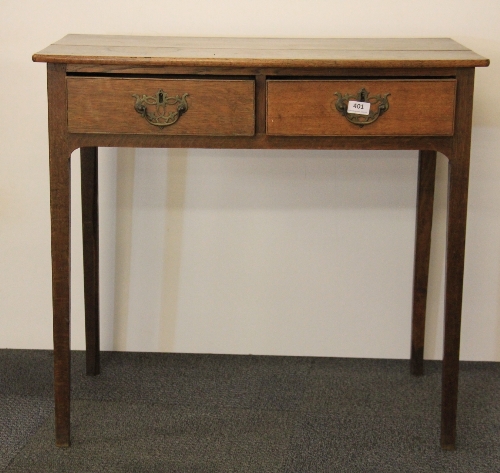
x=160 y=97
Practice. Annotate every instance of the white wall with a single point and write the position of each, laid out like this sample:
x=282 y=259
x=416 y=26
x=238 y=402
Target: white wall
x=297 y=253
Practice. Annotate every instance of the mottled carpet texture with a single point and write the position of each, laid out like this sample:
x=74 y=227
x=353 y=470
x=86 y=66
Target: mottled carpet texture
x=150 y=412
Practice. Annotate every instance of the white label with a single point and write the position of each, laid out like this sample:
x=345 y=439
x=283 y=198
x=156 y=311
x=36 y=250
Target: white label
x=360 y=108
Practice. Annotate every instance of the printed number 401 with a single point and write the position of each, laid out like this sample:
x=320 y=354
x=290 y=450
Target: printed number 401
x=359 y=108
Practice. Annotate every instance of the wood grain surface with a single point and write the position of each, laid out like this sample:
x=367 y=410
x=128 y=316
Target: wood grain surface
x=458 y=185
x=423 y=232
x=106 y=105
x=260 y=52
x=90 y=238
x=60 y=217
x=304 y=107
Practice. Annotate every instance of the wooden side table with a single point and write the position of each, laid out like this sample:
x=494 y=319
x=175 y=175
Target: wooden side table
x=412 y=94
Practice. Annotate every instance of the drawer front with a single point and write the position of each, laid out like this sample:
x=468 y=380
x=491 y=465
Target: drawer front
x=310 y=107
x=161 y=106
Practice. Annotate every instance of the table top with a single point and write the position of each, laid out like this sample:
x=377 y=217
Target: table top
x=260 y=52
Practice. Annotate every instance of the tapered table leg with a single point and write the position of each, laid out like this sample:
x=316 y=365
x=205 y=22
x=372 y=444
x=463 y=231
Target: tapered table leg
x=458 y=175
x=59 y=163
x=457 y=209
x=90 y=230
x=423 y=227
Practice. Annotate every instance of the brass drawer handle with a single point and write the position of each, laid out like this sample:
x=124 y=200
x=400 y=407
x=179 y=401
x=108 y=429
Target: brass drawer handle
x=159 y=115
x=380 y=101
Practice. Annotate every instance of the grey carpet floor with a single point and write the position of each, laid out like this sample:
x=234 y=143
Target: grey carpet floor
x=181 y=413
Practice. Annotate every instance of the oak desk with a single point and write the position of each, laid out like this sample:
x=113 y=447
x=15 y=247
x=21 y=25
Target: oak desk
x=412 y=94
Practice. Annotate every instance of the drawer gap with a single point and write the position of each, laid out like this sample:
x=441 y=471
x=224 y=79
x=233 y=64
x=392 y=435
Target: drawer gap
x=159 y=76
x=359 y=78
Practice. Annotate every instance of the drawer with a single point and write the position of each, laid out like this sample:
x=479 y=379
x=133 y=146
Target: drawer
x=161 y=106
x=309 y=107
